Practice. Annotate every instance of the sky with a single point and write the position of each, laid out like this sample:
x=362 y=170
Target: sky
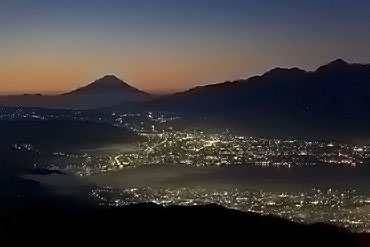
x=172 y=45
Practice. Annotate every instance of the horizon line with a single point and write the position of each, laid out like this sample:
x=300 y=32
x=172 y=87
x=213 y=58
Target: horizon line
x=164 y=91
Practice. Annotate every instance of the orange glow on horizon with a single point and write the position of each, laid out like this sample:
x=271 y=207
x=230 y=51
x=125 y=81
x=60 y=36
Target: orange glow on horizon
x=151 y=74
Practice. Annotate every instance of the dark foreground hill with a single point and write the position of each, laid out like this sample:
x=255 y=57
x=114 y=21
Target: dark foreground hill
x=151 y=224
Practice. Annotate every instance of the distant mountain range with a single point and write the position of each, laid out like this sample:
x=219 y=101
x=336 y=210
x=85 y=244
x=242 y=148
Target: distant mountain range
x=331 y=102
x=106 y=91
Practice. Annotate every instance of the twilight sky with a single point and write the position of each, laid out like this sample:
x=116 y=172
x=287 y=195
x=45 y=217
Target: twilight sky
x=170 y=45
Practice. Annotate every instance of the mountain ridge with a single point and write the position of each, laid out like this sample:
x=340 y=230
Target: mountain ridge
x=332 y=101
x=331 y=66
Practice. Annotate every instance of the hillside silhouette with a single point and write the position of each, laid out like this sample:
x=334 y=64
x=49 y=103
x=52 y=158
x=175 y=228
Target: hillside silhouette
x=332 y=102
x=151 y=224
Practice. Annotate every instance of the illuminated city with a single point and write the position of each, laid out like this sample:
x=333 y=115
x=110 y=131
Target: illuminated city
x=345 y=208
x=163 y=145
x=215 y=122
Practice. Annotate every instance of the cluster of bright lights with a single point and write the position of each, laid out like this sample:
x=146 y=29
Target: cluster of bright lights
x=343 y=208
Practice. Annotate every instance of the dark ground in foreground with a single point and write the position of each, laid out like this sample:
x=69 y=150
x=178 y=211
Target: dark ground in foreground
x=174 y=225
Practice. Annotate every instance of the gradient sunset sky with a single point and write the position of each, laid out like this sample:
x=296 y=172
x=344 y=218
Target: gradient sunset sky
x=171 y=45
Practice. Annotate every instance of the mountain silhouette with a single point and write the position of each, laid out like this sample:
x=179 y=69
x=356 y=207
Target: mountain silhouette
x=110 y=85
x=106 y=91
x=330 y=102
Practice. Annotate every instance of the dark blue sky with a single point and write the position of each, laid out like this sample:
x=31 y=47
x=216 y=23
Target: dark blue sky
x=172 y=45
